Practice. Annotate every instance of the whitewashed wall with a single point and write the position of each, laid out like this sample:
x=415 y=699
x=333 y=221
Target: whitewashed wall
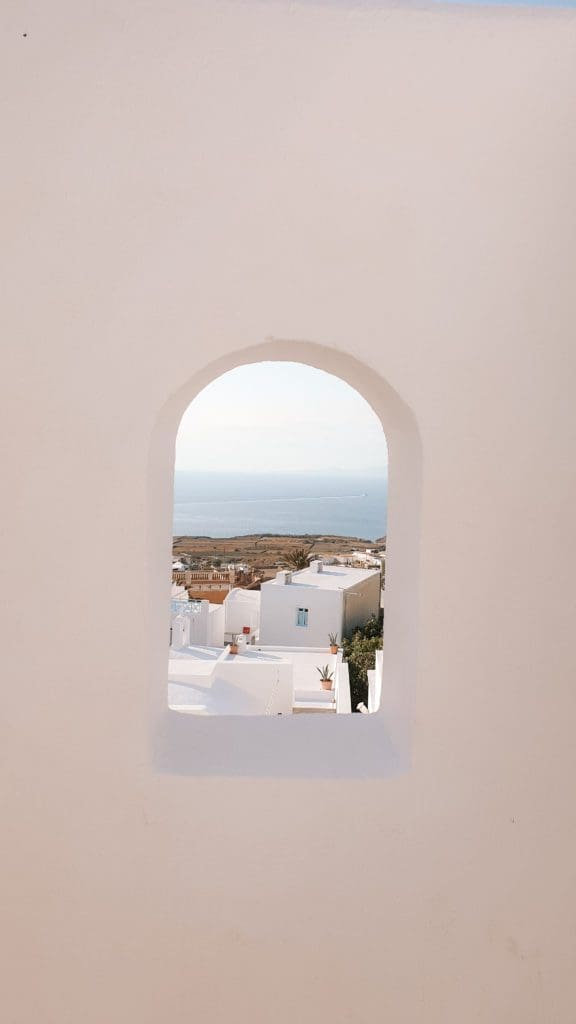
x=241 y=608
x=361 y=602
x=279 y=614
x=216 y=624
x=396 y=187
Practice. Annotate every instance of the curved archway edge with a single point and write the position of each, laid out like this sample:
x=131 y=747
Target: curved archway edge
x=394 y=414
x=298 y=746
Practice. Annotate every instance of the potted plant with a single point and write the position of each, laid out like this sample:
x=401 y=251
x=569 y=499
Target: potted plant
x=234 y=645
x=326 y=677
x=333 y=640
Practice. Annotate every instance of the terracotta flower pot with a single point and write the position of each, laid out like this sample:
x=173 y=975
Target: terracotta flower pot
x=333 y=648
x=233 y=648
x=326 y=684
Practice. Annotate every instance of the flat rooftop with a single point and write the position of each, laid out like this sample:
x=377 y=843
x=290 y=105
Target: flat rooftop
x=202 y=659
x=305 y=663
x=191 y=671
x=332 y=577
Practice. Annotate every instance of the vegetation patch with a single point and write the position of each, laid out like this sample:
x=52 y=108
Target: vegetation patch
x=360 y=653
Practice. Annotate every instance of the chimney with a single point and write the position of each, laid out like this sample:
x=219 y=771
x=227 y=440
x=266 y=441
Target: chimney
x=283 y=576
x=316 y=565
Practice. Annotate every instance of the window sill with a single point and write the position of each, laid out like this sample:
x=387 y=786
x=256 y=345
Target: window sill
x=295 y=746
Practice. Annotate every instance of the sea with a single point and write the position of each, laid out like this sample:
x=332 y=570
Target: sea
x=237 y=504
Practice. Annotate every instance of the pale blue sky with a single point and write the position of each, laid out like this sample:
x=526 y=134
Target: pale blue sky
x=282 y=417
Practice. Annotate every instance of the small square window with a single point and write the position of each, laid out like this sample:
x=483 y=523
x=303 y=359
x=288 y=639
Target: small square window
x=302 y=617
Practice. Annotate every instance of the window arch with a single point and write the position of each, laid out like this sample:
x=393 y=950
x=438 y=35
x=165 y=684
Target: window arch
x=280 y=470
x=377 y=744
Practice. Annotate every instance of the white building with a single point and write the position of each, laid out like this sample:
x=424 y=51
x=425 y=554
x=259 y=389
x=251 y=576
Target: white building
x=205 y=680
x=241 y=613
x=368 y=558
x=301 y=608
x=196 y=622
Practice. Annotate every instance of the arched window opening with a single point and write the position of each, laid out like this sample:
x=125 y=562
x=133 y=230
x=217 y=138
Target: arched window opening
x=279 y=547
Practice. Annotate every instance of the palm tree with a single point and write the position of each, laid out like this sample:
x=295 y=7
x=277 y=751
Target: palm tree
x=297 y=558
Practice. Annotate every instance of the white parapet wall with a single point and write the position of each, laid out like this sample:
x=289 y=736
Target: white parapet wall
x=375 y=680
x=256 y=681
x=206 y=681
x=342 y=689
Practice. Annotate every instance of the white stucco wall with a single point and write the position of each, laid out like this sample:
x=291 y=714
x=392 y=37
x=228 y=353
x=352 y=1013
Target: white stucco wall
x=216 y=625
x=360 y=603
x=202 y=623
x=394 y=187
x=337 y=601
x=241 y=608
x=375 y=681
x=179 y=630
x=279 y=606
x=232 y=685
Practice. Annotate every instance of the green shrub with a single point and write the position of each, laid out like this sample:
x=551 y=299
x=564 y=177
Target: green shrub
x=360 y=653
